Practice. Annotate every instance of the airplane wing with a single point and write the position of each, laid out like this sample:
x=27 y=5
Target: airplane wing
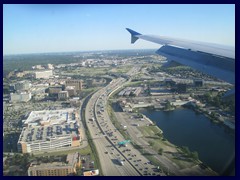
x=213 y=59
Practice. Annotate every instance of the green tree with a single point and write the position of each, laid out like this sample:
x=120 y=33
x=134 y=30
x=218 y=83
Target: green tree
x=160 y=151
x=159 y=135
x=194 y=155
x=208 y=96
x=151 y=143
x=185 y=150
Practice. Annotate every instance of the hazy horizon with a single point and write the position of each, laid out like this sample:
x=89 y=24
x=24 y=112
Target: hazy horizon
x=29 y=28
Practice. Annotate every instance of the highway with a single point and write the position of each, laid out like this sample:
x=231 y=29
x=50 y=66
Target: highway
x=106 y=137
x=109 y=161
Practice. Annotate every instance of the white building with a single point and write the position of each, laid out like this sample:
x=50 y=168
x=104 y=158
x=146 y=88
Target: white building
x=20 y=97
x=50 y=131
x=43 y=74
x=39 y=67
x=50 y=66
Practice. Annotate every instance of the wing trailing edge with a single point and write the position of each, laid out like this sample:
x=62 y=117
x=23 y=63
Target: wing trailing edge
x=215 y=60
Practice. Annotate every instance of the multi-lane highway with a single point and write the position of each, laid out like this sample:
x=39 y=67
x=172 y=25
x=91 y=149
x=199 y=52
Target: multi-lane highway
x=106 y=137
x=108 y=157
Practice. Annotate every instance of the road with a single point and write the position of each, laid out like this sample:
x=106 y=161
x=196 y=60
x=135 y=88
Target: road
x=106 y=137
x=108 y=157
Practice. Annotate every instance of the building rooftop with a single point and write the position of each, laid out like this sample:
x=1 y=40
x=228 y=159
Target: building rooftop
x=51 y=117
x=71 y=160
x=49 y=125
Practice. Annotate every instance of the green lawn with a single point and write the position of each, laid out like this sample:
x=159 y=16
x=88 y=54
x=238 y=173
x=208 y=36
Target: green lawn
x=84 y=151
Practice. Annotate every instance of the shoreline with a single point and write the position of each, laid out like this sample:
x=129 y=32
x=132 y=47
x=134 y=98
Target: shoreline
x=153 y=122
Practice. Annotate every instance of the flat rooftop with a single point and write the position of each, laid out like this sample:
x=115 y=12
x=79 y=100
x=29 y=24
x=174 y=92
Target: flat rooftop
x=48 y=125
x=51 y=117
x=71 y=160
x=47 y=133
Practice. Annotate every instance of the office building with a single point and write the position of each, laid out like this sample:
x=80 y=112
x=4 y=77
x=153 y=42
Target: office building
x=22 y=85
x=71 y=90
x=54 y=90
x=76 y=83
x=63 y=95
x=56 y=168
x=43 y=74
x=50 y=66
x=20 y=97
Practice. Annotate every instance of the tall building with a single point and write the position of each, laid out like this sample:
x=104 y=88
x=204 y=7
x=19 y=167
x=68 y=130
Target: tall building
x=56 y=168
x=76 y=83
x=43 y=74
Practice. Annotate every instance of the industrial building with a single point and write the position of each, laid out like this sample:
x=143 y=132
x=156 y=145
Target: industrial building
x=49 y=131
x=56 y=168
x=45 y=74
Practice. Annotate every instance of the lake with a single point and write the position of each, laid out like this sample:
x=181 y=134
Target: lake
x=214 y=143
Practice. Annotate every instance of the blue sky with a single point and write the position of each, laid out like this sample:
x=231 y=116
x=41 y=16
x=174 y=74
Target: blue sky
x=63 y=28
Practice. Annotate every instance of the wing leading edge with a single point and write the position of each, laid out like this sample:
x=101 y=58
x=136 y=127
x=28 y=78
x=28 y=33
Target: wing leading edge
x=212 y=59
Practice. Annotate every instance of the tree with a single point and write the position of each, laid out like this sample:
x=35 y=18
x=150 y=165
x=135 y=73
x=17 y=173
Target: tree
x=194 y=155
x=151 y=143
x=139 y=115
x=160 y=151
x=168 y=105
x=159 y=134
x=185 y=150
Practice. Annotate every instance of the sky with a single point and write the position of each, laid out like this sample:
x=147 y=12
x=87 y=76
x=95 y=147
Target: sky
x=65 y=28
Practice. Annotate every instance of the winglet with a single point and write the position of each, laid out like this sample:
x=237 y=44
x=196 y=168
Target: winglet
x=133 y=35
